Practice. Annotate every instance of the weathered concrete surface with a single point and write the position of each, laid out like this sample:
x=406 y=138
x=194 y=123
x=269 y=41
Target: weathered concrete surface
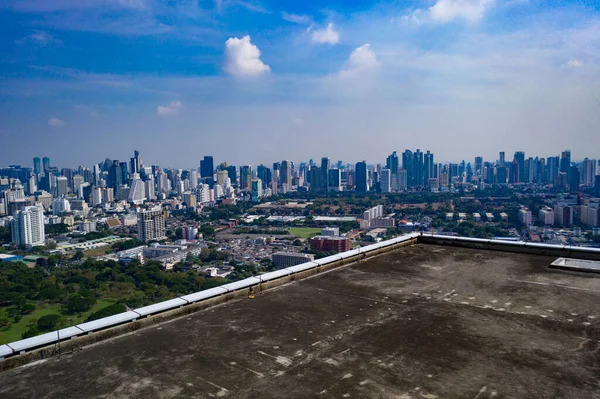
x=422 y=322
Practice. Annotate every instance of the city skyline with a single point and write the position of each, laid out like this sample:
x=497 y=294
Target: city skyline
x=215 y=161
x=271 y=80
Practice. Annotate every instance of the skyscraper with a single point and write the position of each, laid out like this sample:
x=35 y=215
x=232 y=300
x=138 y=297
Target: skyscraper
x=565 y=162
x=46 y=164
x=391 y=163
x=520 y=158
x=245 y=177
x=151 y=224
x=502 y=160
x=427 y=168
x=325 y=166
x=232 y=173
x=135 y=163
x=361 y=176
x=207 y=168
x=408 y=166
x=418 y=168
x=478 y=166
x=386 y=180
x=137 y=192
x=256 y=190
x=285 y=176
x=115 y=176
x=62 y=186
x=27 y=227
x=37 y=166
x=334 y=179
x=264 y=173
x=588 y=172
x=574 y=178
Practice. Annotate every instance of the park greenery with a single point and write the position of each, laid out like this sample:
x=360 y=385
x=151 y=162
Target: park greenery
x=40 y=299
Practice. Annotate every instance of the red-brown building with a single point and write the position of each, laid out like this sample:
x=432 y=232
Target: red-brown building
x=327 y=243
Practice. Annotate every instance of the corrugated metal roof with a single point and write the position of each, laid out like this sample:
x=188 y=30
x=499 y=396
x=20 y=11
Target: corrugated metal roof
x=247 y=282
x=108 y=321
x=44 y=339
x=204 y=294
x=161 y=306
x=5 y=350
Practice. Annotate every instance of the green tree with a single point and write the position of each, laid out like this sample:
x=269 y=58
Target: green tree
x=49 y=322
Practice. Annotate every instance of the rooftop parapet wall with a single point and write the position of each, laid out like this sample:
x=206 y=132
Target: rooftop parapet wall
x=566 y=251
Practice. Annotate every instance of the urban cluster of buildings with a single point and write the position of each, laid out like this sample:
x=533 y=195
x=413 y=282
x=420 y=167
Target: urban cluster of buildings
x=28 y=195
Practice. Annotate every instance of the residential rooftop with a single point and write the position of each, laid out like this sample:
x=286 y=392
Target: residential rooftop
x=419 y=322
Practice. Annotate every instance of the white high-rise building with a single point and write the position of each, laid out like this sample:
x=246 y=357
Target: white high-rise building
x=137 y=192
x=149 y=184
x=28 y=226
x=256 y=190
x=96 y=196
x=60 y=205
x=62 y=186
x=386 y=180
x=151 y=224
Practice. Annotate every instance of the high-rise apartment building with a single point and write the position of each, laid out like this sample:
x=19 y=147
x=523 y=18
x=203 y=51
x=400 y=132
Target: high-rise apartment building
x=427 y=168
x=27 y=227
x=151 y=224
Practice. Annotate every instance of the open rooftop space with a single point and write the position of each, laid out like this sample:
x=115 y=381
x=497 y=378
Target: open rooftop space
x=421 y=322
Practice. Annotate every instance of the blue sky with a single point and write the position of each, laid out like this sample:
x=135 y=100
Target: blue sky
x=256 y=81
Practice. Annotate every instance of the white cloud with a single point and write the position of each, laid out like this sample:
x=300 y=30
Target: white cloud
x=326 y=35
x=169 y=110
x=362 y=59
x=574 y=64
x=298 y=122
x=242 y=58
x=295 y=18
x=55 y=122
x=449 y=10
x=39 y=38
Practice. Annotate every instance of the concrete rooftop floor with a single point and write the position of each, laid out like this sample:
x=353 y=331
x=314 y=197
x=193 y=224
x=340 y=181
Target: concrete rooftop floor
x=424 y=322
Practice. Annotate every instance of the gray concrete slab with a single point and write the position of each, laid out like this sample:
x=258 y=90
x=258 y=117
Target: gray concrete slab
x=423 y=322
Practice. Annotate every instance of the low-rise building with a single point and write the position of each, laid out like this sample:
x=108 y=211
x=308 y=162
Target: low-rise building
x=323 y=243
x=286 y=259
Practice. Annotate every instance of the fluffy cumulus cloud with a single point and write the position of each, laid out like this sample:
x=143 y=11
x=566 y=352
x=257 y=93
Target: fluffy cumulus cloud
x=242 y=58
x=55 y=122
x=449 y=10
x=362 y=59
x=327 y=35
x=169 y=110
